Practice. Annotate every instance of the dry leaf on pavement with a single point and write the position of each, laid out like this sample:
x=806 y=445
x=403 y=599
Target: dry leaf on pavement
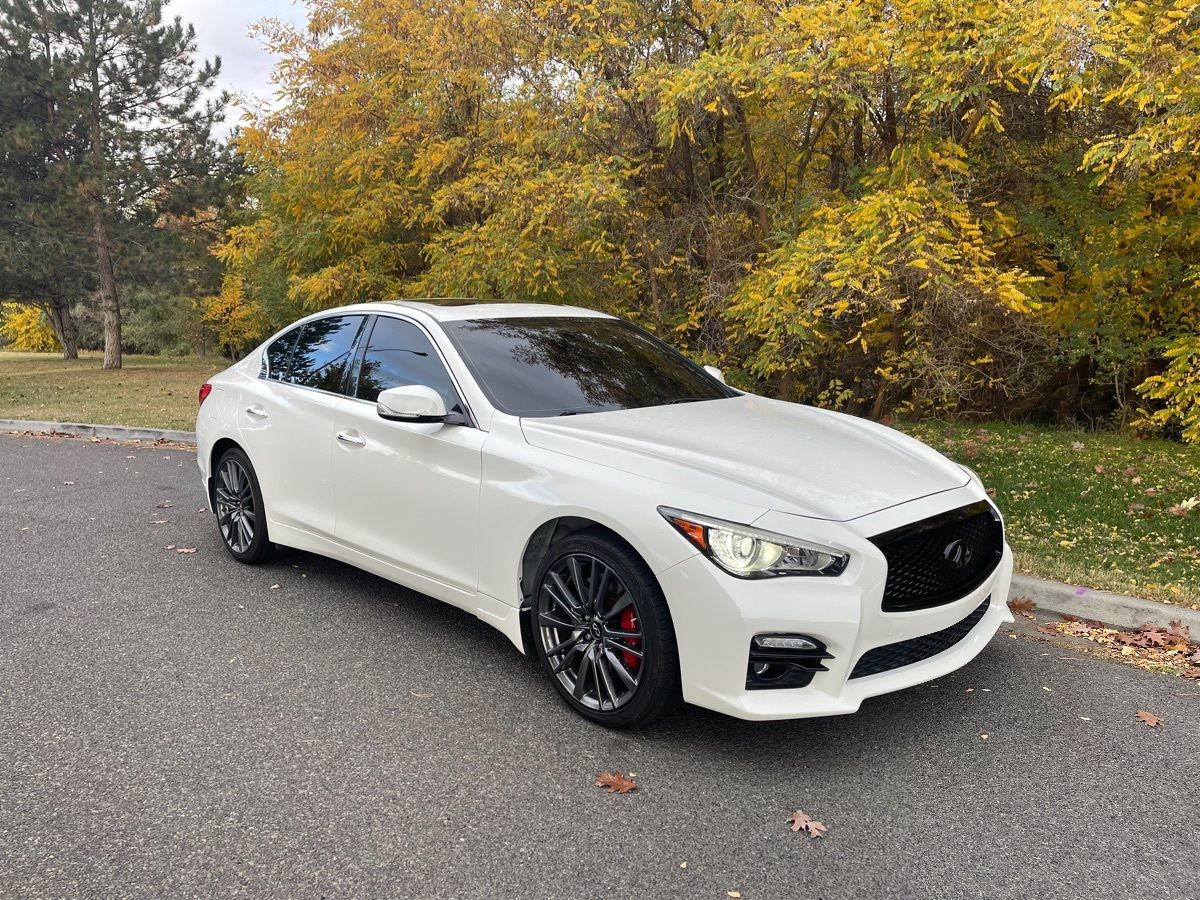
x=1022 y=606
x=615 y=782
x=801 y=821
x=1151 y=720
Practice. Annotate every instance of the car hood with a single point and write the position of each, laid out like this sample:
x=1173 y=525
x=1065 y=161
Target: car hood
x=768 y=453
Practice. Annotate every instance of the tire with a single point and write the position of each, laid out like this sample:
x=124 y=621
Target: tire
x=241 y=515
x=581 y=637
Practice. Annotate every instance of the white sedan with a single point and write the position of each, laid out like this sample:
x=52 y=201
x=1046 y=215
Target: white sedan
x=652 y=535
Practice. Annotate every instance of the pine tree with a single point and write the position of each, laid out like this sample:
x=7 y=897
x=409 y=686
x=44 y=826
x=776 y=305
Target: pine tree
x=136 y=107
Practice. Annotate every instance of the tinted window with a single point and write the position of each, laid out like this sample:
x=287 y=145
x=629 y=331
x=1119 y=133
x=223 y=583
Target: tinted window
x=324 y=352
x=275 y=360
x=399 y=354
x=558 y=365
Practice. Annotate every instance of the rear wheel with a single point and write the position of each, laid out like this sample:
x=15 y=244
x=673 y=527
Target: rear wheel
x=237 y=500
x=603 y=632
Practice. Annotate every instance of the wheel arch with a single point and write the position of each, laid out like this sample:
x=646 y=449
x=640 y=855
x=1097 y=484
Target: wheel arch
x=218 y=450
x=535 y=550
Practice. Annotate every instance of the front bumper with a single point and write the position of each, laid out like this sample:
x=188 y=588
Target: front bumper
x=716 y=616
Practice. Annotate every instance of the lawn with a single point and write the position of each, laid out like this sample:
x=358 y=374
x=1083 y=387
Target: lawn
x=157 y=392
x=1095 y=509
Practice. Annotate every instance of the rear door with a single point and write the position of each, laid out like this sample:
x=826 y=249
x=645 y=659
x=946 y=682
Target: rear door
x=287 y=419
x=408 y=493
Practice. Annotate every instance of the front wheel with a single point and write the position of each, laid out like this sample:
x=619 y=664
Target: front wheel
x=603 y=632
x=238 y=502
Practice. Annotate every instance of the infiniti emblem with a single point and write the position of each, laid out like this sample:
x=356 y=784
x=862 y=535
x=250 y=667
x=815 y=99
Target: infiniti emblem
x=958 y=554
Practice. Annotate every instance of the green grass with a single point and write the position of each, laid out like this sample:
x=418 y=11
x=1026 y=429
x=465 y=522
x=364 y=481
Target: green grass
x=1076 y=503
x=1089 y=508
x=156 y=392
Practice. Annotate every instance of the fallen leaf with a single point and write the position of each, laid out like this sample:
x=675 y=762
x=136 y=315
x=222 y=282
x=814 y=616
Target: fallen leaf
x=170 y=546
x=1022 y=606
x=1045 y=628
x=166 y=504
x=801 y=821
x=734 y=894
x=274 y=587
x=1076 y=445
x=185 y=549
x=1175 y=628
x=1151 y=720
x=615 y=782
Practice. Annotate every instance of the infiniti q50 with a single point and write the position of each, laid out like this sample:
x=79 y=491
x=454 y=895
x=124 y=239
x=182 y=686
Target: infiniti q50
x=652 y=535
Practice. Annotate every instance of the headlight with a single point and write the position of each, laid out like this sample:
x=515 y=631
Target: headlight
x=752 y=553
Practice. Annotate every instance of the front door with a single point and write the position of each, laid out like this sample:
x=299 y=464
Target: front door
x=408 y=493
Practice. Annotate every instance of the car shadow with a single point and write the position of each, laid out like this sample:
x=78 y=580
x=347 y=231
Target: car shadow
x=884 y=726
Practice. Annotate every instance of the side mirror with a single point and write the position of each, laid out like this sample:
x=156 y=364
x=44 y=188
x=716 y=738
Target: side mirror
x=411 y=403
x=715 y=373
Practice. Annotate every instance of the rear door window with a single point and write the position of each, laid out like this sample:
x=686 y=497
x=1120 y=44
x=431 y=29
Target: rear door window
x=275 y=360
x=324 y=353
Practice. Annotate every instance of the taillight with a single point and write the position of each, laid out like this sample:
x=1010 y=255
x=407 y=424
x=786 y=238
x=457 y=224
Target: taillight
x=205 y=390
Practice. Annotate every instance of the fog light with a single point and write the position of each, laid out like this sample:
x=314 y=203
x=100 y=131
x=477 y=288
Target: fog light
x=779 y=642
x=784 y=661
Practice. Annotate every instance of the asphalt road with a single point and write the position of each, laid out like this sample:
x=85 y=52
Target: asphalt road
x=176 y=725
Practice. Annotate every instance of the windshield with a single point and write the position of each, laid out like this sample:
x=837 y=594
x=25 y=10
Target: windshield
x=559 y=365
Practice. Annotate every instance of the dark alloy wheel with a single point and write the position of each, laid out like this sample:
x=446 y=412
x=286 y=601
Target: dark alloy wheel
x=239 y=507
x=603 y=632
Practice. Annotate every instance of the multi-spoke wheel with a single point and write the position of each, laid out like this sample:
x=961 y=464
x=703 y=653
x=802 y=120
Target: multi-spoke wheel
x=238 y=504
x=603 y=632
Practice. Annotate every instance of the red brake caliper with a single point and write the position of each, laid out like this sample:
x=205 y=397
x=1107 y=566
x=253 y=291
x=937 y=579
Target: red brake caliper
x=629 y=623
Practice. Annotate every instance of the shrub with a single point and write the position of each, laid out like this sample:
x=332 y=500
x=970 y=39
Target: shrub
x=26 y=328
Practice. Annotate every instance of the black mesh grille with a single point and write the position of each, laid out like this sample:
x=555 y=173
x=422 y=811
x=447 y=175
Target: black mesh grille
x=940 y=559
x=905 y=653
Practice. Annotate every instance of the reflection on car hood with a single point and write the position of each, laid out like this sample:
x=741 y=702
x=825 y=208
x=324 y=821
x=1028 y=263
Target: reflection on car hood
x=783 y=456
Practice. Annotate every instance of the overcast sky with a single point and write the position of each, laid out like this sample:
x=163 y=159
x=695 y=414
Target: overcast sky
x=222 y=29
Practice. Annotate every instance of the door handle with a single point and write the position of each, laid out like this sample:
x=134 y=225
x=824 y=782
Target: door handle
x=255 y=411
x=349 y=437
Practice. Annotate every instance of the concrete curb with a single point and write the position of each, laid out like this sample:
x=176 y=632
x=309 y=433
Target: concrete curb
x=115 y=432
x=1113 y=609
x=1119 y=610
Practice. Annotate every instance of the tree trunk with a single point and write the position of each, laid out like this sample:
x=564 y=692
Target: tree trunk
x=59 y=311
x=110 y=304
x=109 y=301
x=754 y=179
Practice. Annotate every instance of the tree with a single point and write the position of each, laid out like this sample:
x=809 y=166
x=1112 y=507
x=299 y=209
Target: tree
x=885 y=207
x=44 y=250
x=128 y=90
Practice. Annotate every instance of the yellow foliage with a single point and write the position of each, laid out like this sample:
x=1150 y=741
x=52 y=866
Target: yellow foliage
x=26 y=328
x=238 y=322
x=876 y=206
x=1178 y=388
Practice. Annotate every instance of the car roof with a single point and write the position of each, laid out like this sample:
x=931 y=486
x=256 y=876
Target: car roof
x=450 y=309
